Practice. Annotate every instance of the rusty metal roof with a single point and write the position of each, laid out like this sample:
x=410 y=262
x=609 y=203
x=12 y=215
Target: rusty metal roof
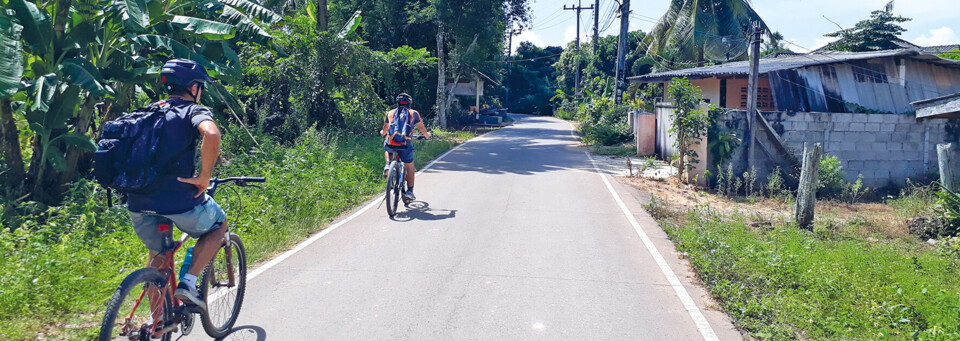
x=788 y=62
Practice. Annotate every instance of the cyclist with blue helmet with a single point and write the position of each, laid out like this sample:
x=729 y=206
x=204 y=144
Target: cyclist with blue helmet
x=178 y=195
x=411 y=118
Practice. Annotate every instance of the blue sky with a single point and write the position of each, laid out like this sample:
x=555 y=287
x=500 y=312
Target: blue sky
x=935 y=22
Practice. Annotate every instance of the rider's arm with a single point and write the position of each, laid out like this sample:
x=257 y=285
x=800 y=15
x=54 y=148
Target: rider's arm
x=209 y=151
x=423 y=128
x=386 y=124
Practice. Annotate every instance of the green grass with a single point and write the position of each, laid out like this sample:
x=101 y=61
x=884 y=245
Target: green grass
x=61 y=265
x=784 y=283
x=626 y=149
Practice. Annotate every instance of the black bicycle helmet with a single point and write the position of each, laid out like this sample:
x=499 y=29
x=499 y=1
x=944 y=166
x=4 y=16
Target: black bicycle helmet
x=183 y=73
x=404 y=100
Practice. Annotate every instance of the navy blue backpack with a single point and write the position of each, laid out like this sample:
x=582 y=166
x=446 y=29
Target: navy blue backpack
x=126 y=159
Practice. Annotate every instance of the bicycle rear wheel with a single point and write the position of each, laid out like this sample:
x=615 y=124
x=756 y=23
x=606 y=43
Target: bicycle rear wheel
x=124 y=322
x=393 y=189
x=223 y=300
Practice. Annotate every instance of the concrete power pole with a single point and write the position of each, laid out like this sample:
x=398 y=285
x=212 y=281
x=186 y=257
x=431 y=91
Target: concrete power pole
x=596 y=25
x=577 y=8
x=757 y=38
x=622 y=50
x=506 y=101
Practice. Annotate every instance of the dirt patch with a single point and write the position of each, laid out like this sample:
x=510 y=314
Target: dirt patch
x=872 y=220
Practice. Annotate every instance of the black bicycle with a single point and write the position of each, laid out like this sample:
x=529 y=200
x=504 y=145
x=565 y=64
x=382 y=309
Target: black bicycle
x=397 y=181
x=223 y=284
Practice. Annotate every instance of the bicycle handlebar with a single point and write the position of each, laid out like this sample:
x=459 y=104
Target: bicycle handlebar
x=239 y=181
x=242 y=181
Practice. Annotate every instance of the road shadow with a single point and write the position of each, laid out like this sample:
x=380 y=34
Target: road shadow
x=420 y=210
x=245 y=333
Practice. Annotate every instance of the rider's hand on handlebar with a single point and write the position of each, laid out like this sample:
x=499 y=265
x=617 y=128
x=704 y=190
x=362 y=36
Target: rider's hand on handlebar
x=200 y=182
x=428 y=135
x=383 y=133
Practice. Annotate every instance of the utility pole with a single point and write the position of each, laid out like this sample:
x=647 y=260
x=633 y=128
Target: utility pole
x=512 y=32
x=622 y=51
x=752 y=91
x=596 y=25
x=577 y=8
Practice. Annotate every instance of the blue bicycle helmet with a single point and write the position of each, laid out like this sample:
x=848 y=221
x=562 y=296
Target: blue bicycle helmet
x=183 y=72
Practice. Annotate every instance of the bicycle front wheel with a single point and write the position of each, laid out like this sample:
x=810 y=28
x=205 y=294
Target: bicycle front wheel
x=224 y=283
x=141 y=306
x=393 y=189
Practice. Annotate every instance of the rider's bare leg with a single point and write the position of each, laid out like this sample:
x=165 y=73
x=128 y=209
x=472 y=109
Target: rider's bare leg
x=411 y=171
x=386 y=157
x=153 y=294
x=206 y=248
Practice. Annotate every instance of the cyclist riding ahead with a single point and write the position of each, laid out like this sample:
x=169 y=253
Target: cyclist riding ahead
x=397 y=127
x=177 y=195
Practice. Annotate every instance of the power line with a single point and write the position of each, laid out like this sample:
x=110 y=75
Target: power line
x=528 y=59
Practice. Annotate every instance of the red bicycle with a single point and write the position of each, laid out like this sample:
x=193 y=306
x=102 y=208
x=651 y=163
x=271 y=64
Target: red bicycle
x=223 y=284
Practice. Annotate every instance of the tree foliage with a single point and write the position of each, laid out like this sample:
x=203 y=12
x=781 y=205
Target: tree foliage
x=880 y=32
x=532 y=79
x=690 y=121
x=689 y=27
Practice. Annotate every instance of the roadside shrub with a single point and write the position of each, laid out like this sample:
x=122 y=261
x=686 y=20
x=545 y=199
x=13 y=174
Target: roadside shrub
x=949 y=208
x=603 y=122
x=830 y=176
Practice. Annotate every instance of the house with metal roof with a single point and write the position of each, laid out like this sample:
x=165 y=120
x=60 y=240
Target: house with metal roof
x=881 y=113
x=834 y=82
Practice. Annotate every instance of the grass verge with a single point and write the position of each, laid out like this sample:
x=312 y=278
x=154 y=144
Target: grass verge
x=838 y=282
x=61 y=264
x=625 y=149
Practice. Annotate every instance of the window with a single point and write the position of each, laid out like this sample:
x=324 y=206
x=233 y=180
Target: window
x=869 y=72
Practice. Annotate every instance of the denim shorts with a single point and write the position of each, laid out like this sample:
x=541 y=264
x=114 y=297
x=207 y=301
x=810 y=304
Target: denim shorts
x=405 y=153
x=197 y=222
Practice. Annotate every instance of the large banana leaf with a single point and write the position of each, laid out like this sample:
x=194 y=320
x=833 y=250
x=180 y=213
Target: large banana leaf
x=61 y=110
x=11 y=54
x=254 y=10
x=247 y=29
x=211 y=30
x=173 y=49
x=134 y=13
x=37 y=31
x=41 y=92
x=80 y=141
x=80 y=72
x=351 y=25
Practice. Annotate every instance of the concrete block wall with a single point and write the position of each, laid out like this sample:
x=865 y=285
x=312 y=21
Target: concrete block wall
x=887 y=149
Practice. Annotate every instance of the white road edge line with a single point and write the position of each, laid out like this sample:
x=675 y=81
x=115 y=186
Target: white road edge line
x=702 y=325
x=302 y=245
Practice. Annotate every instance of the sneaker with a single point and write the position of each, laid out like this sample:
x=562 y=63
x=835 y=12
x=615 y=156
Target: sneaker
x=386 y=170
x=409 y=196
x=189 y=295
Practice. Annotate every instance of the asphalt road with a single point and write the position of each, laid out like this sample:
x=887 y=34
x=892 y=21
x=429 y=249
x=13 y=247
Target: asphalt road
x=517 y=236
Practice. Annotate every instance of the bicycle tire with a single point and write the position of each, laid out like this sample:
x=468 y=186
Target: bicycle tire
x=240 y=263
x=393 y=189
x=141 y=276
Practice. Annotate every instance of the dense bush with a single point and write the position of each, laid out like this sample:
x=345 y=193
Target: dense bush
x=830 y=177
x=313 y=88
x=603 y=122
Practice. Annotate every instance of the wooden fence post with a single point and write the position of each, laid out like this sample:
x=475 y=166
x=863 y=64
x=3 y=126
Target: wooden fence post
x=949 y=155
x=807 y=193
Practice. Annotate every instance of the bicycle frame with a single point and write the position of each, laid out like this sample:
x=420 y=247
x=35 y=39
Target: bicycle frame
x=166 y=268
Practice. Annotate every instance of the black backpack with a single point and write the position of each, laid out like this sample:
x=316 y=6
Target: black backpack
x=126 y=157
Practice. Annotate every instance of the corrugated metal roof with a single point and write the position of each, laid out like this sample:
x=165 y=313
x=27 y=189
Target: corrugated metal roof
x=788 y=62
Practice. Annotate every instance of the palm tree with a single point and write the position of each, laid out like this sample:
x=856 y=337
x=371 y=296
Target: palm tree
x=697 y=31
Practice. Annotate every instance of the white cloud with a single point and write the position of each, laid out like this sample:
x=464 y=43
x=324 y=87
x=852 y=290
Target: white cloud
x=938 y=36
x=530 y=36
x=821 y=42
x=571 y=34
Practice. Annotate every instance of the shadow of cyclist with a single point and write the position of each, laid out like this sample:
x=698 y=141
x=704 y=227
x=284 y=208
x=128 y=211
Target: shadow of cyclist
x=245 y=333
x=420 y=210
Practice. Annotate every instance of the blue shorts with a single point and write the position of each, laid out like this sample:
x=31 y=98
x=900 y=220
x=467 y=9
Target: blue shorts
x=197 y=222
x=405 y=153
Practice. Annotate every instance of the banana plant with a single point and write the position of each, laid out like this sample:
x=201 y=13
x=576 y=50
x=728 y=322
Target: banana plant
x=85 y=60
